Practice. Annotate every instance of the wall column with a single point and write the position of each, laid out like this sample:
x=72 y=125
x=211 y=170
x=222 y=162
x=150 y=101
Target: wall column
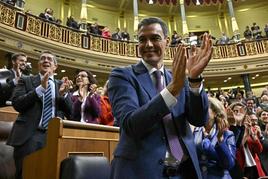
x=183 y=18
x=233 y=20
x=136 y=15
x=83 y=16
x=246 y=82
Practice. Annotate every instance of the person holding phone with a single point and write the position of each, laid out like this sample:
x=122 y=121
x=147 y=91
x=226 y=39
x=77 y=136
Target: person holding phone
x=86 y=102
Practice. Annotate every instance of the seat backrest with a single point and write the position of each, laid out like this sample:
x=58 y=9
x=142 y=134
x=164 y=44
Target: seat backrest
x=85 y=167
x=7 y=165
x=5 y=128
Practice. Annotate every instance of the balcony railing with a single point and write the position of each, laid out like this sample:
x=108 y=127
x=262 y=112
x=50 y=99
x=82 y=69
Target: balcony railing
x=39 y=27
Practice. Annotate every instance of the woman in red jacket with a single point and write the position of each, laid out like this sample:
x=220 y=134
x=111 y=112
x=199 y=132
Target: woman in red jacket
x=250 y=148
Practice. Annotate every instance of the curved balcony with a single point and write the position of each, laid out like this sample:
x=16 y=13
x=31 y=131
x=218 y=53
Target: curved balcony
x=31 y=34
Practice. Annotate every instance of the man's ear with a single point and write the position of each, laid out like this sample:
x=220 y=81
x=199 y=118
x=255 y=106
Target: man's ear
x=55 y=67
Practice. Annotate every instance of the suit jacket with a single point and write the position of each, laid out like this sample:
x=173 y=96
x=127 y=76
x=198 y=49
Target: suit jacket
x=264 y=154
x=6 y=86
x=255 y=148
x=91 y=109
x=139 y=110
x=106 y=117
x=26 y=101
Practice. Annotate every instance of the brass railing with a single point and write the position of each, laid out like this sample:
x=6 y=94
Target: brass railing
x=48 y=30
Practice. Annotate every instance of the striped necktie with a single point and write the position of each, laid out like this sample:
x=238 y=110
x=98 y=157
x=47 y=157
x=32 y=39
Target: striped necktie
x=171 y=134
x=47 y=106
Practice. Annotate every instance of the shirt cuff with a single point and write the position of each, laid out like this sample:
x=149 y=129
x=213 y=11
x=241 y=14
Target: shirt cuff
x=65 y=95
x=169 y=99
x=197 y=91
x=15 y=81
x=40 y=91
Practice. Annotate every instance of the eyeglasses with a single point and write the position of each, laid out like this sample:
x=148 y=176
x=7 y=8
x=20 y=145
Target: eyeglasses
x=43 y=58
x=82 y=76
x=235 y=111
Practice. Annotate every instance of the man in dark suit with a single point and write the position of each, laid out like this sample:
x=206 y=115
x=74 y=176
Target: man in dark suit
x=143 y=151
x=9 y=80
x=19 y=61
x=29 y=130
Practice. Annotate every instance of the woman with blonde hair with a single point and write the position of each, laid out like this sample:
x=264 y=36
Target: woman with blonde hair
x=215 y=143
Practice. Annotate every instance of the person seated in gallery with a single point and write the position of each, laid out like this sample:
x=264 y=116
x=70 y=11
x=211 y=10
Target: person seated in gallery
x=125 y=35
x=72 y=23
x=247 y=33
x=117 y=35
x=256 y=31
x=94 y=29
x=224 y=39
x=47 y=15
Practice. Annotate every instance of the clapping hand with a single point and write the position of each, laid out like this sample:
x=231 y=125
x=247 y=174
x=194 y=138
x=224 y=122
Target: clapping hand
x=65 y=86
x=178 y=71
x=195 y=64
x=199 y=57
x=18 y=73
x=44 y=80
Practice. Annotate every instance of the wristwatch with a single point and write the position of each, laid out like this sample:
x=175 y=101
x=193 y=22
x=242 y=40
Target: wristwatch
x=196 y=80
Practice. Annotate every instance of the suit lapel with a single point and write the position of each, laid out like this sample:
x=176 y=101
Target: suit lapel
x=144 y=79
x=167 y=76
x=56 y=82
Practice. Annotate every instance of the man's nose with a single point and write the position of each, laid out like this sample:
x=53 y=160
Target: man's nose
x=149 y=43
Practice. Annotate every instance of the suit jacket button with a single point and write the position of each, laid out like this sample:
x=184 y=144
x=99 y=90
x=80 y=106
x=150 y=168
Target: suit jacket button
x=204 y=168
x=160 y=161
x=203 y=157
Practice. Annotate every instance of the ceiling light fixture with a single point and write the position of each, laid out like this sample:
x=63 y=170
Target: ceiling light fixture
x=151 y=2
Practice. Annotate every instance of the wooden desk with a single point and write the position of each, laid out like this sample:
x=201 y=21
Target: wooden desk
x=69 y=138
x=8 y=114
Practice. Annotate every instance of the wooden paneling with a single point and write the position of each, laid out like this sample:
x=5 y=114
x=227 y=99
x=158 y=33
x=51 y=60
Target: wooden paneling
x=69 y=138
x=8 y=114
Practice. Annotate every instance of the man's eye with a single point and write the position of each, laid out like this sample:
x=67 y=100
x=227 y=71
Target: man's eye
x=156 y=38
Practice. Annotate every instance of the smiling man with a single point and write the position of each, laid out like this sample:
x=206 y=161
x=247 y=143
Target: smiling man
x=154 y=107
x=37 y=99
x=18 y=67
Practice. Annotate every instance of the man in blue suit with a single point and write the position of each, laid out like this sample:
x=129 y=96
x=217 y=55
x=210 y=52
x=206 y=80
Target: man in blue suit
x=143 y=151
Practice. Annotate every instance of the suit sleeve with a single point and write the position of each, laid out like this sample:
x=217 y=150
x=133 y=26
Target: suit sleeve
x=196 y=106
x=224 y=152
x=24 y=99
x=136 y=116
x=64 y=104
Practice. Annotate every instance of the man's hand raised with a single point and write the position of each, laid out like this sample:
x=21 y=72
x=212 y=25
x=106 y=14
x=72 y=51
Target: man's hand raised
x=44 y=80
x=199 y=57
x=178 y=71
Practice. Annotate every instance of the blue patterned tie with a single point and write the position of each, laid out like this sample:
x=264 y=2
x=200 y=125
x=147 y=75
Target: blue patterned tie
x=172 y=136
x=47 y=106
